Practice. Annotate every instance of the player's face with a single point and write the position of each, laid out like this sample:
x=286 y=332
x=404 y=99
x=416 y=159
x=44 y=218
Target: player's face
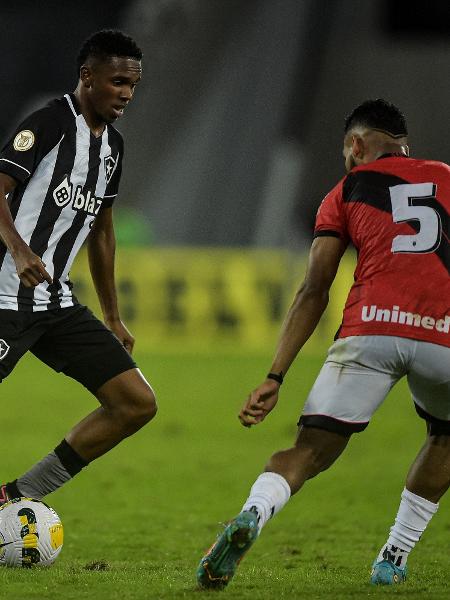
x=111 y=87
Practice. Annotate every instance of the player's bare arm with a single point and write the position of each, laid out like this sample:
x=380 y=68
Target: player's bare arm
x=101 y=252
x=302 y=318
x=30 y=268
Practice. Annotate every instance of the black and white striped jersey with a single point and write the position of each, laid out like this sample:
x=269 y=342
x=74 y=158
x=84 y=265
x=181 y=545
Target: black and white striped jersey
x=65 y=177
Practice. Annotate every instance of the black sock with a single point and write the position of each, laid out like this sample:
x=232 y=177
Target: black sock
x=12 y=490
x=70 y=459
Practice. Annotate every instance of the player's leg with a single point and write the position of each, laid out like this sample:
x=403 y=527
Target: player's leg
x=19 y=331
x=347 y=391
x=127 y=404
x=314 y=451
x=418 y=504
x=429 y=476
x=127 y=401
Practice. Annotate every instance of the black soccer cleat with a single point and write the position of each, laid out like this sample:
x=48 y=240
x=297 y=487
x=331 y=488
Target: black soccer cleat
x=9 y=491
x=3 y=495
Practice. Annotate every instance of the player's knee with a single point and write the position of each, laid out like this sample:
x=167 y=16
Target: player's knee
x=147 y=407
x=139 y=409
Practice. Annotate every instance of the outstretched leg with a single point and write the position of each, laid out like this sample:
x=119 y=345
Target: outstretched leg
x=314 y=451
x=127 y=403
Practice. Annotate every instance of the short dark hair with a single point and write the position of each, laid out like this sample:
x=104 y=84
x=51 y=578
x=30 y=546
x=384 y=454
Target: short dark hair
x=378 y=114
x=106 y=43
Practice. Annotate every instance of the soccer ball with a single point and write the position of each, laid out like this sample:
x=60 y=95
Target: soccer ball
x=31 y=533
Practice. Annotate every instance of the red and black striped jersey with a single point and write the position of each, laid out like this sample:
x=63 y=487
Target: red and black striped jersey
x=395 y=211
x=65 y=176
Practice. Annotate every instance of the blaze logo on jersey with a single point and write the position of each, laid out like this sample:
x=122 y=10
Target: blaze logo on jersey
x=110 y=164
x=23 y=141
x=4 y=349
x=64 y=193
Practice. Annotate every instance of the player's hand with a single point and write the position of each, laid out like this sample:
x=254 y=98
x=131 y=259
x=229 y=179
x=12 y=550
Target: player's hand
x=30 y=268
x=259 y=404
x=122 y=333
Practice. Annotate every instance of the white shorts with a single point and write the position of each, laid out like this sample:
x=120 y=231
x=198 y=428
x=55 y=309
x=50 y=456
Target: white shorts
x=360 y=371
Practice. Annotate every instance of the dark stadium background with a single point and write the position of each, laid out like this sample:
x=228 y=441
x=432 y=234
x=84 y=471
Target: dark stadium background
x=240 y=112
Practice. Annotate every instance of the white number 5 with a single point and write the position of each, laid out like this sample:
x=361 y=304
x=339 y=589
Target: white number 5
x=409 y=204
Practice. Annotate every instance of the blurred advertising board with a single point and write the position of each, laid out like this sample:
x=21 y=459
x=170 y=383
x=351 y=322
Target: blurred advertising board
x=211 y=299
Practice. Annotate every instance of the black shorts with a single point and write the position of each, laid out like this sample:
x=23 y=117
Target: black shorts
x=69 y=340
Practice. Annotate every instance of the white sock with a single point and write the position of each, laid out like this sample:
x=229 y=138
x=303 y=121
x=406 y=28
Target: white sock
x=412 y=518
x=268 y=495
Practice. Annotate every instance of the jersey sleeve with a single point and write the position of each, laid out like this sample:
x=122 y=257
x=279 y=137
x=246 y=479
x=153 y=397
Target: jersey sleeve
x=32 y=140
x=330 y=219
x=112 y=187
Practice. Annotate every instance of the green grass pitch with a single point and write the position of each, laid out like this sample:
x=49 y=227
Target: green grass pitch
x=138 y=520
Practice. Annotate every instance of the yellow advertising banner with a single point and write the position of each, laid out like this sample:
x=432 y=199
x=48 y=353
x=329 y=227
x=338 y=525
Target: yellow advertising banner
x=191 y=299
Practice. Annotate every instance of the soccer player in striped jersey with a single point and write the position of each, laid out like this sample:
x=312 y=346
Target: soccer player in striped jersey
x=396 y=323
x=59 y=177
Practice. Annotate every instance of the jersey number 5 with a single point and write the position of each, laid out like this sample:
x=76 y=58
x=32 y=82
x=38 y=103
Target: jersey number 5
x=411 y=203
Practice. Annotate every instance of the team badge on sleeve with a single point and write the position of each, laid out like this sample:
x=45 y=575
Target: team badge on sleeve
x=4 y=349
x=110 y=166
x=24 y=140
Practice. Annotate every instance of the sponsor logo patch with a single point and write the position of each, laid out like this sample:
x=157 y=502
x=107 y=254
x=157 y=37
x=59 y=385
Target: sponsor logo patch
x=4 y=349
x=24 y=140
x=56 y=535
x=64 y=193
x=403 y=317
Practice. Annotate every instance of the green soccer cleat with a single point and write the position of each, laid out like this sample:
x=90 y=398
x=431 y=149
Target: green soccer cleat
x=386 y=573
x=218 y=566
